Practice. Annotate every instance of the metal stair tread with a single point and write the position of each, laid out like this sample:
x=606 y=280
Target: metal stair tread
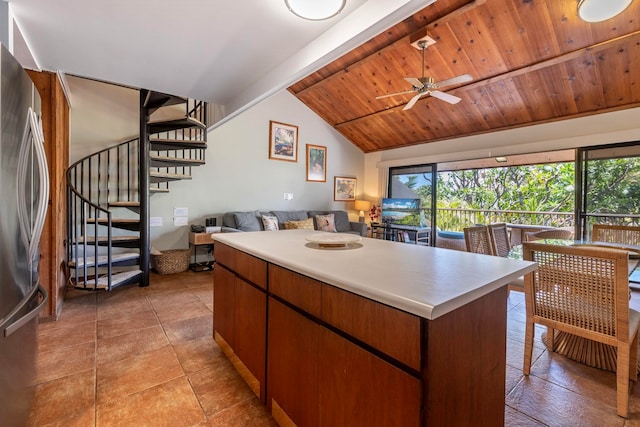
x=103 y=260
x=165 y=176
x=114 y=220
x=125 y=204
x=131 y=224
x=114 y=239
x=158 y=190
x=162 y=144
x=166 y=160
x=155 y=100
x=185 y=122
x=117 y=279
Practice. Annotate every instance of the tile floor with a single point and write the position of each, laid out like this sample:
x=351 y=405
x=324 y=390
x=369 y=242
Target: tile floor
x=145 y=357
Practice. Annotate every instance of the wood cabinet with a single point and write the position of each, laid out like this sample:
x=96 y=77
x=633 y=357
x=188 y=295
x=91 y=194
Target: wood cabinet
x=357 y=388
x=335 y=358
x=293 y=366
x=240 y=319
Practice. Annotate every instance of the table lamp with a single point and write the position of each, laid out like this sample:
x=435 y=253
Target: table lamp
x=362 y=205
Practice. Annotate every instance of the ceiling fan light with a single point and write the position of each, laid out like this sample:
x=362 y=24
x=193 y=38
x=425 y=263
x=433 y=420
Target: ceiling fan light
x=315 y=10
x=601 y=10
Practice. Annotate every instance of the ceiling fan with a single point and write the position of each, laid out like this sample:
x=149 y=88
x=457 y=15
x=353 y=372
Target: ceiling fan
x=425 y=86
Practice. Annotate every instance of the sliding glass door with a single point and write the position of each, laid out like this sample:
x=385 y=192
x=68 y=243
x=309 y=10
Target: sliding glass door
x=608 y=180
x=416 y=182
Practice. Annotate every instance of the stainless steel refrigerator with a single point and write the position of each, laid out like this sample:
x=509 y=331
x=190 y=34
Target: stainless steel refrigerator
x=24 y=193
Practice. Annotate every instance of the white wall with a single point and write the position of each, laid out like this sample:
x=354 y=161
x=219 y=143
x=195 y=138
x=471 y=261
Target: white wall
x=608 y=128
x=240 y=176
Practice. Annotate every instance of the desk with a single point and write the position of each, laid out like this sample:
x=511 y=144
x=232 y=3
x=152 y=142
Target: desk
x=419 y=235
x=583 y=350
x=197 y=240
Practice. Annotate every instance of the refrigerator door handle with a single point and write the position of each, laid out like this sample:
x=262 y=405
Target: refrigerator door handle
x=22 y=169
x=17 y=324
x=43 y=195
x=30 y=226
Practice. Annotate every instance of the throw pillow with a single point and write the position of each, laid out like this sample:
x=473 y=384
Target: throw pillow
x=248 y=221
x=305 y=224
x=270 y=223
x=326 y=223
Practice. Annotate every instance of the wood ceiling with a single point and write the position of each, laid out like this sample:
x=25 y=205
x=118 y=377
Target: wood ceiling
x=532 y=61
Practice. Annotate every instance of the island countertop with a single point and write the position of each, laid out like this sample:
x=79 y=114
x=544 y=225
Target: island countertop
x=426 y=281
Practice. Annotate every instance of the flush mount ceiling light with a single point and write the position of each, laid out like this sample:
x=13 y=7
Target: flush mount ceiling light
x=600 y=10
x=315 y=10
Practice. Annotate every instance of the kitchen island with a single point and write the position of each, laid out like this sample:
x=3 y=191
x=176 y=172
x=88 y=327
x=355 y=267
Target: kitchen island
x=375 y=333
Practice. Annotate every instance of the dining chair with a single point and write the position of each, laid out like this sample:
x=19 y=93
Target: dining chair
x=500 y=240
x=556 y=233
x=478 y=240
x=616 y=234
x=583 y=291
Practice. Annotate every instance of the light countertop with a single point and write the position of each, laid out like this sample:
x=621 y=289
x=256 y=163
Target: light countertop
x=422 y=280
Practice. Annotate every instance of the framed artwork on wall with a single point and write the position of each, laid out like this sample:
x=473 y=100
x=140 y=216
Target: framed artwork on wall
x=316 y=163
x=283 y=141
x=344 y=189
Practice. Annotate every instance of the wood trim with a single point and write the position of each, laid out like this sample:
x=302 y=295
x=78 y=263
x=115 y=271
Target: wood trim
x=242 y=369
x=280 y=416
x=55 y=124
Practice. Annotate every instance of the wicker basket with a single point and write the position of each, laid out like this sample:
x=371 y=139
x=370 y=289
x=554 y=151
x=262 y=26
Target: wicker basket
x=171 y=261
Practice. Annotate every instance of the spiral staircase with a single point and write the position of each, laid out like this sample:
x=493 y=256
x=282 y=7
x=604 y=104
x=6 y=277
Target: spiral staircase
x=108 y=192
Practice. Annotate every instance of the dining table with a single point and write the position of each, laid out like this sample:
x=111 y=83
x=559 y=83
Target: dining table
x=583 y=350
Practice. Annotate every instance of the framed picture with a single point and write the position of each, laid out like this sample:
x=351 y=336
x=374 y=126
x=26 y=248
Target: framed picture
x=344 y=189
x=283 y=141
x=316 y=163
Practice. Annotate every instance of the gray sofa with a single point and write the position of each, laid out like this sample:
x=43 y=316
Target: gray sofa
x=252 y=220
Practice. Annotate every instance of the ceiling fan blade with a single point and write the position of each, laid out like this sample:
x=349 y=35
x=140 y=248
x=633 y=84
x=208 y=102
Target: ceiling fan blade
x=445 y=97
x=414 y=82
x=412 y=101
x=394 y=94
x=455 y=80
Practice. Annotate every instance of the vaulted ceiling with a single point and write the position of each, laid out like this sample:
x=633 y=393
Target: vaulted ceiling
x=531 y=62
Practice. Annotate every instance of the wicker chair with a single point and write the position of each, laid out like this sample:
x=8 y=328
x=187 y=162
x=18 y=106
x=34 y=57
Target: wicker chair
x=583 y=291
x=500 y=240
x=557 y=233
x=616 y=234
x=478 y=240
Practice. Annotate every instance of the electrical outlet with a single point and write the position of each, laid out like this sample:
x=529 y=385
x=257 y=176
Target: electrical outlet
x=288 y=196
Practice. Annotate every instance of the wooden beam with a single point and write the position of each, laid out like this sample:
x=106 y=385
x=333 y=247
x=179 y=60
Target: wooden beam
x=408 y=39
x=598 y=47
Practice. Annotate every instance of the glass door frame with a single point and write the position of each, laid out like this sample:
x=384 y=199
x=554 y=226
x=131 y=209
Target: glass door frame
x=582 y=229
x=434 y=192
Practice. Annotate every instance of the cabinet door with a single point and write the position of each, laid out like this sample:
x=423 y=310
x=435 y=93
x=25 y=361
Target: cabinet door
x=250 y=340
x=358 y=388
x=292 y=366
x=223 y=303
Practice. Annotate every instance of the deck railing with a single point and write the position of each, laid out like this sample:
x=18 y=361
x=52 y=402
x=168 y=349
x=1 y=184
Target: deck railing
x=457 y=219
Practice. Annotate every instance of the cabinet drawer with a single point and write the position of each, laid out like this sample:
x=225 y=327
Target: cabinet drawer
x=393 y=332
x=251 y=268
x=224 y=255
x=247 y=266
x=301 y=291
